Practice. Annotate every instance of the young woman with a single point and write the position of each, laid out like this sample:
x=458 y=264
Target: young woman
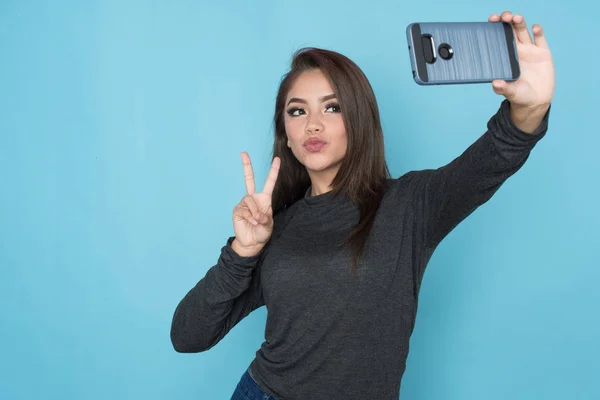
x=333 y=246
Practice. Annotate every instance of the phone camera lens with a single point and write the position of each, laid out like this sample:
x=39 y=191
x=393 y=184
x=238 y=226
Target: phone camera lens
x=445 y=51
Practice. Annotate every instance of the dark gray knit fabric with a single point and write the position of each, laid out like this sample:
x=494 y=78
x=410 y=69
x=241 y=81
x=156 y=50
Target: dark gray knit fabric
x=329 y=336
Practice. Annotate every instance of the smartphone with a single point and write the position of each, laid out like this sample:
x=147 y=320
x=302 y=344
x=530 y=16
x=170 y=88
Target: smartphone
x=443 y=53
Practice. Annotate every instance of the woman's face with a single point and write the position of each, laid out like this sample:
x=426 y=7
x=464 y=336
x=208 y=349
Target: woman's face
x=313 y=123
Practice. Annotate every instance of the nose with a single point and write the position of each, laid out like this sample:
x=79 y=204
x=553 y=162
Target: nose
x=314 y=125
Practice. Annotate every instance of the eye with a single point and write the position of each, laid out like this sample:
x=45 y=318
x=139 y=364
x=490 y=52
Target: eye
x=333 y=107
x=294 y=112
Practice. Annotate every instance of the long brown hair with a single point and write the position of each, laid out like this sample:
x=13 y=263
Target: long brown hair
x=364 y=171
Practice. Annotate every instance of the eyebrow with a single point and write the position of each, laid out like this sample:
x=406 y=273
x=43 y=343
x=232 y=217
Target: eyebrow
x=321 y=99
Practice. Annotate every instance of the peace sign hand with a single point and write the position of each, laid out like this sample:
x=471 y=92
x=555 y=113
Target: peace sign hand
x=253 y=216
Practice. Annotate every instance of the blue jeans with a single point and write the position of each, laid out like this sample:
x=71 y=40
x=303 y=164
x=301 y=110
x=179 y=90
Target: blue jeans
x=248 y=389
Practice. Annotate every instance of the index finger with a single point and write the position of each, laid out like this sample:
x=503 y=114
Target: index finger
x=248 y=173
x=272 y=177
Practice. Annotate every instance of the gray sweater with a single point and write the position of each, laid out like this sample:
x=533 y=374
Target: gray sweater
x=329 y=336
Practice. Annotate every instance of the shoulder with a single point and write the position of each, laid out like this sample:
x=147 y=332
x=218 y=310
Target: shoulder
x=409 y=189
x=411 y=181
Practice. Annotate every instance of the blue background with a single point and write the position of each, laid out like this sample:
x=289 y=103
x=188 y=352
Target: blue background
x=121 y=125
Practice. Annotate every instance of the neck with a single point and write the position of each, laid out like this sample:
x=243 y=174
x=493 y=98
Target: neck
x=321 y=181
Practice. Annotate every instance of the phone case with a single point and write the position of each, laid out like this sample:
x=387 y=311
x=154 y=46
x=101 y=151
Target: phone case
x=462 y=52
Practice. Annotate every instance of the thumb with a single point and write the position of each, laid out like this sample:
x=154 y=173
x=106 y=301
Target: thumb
x=504 y=88
x=265 y=218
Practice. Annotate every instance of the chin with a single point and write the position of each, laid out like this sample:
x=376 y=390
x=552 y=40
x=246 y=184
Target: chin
x=319 y=163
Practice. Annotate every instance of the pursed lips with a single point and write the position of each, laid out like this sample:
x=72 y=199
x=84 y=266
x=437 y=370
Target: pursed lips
x=314 y=144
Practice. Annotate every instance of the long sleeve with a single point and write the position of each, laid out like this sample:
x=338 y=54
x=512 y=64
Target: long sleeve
x=229 y=291
x=454 y=191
